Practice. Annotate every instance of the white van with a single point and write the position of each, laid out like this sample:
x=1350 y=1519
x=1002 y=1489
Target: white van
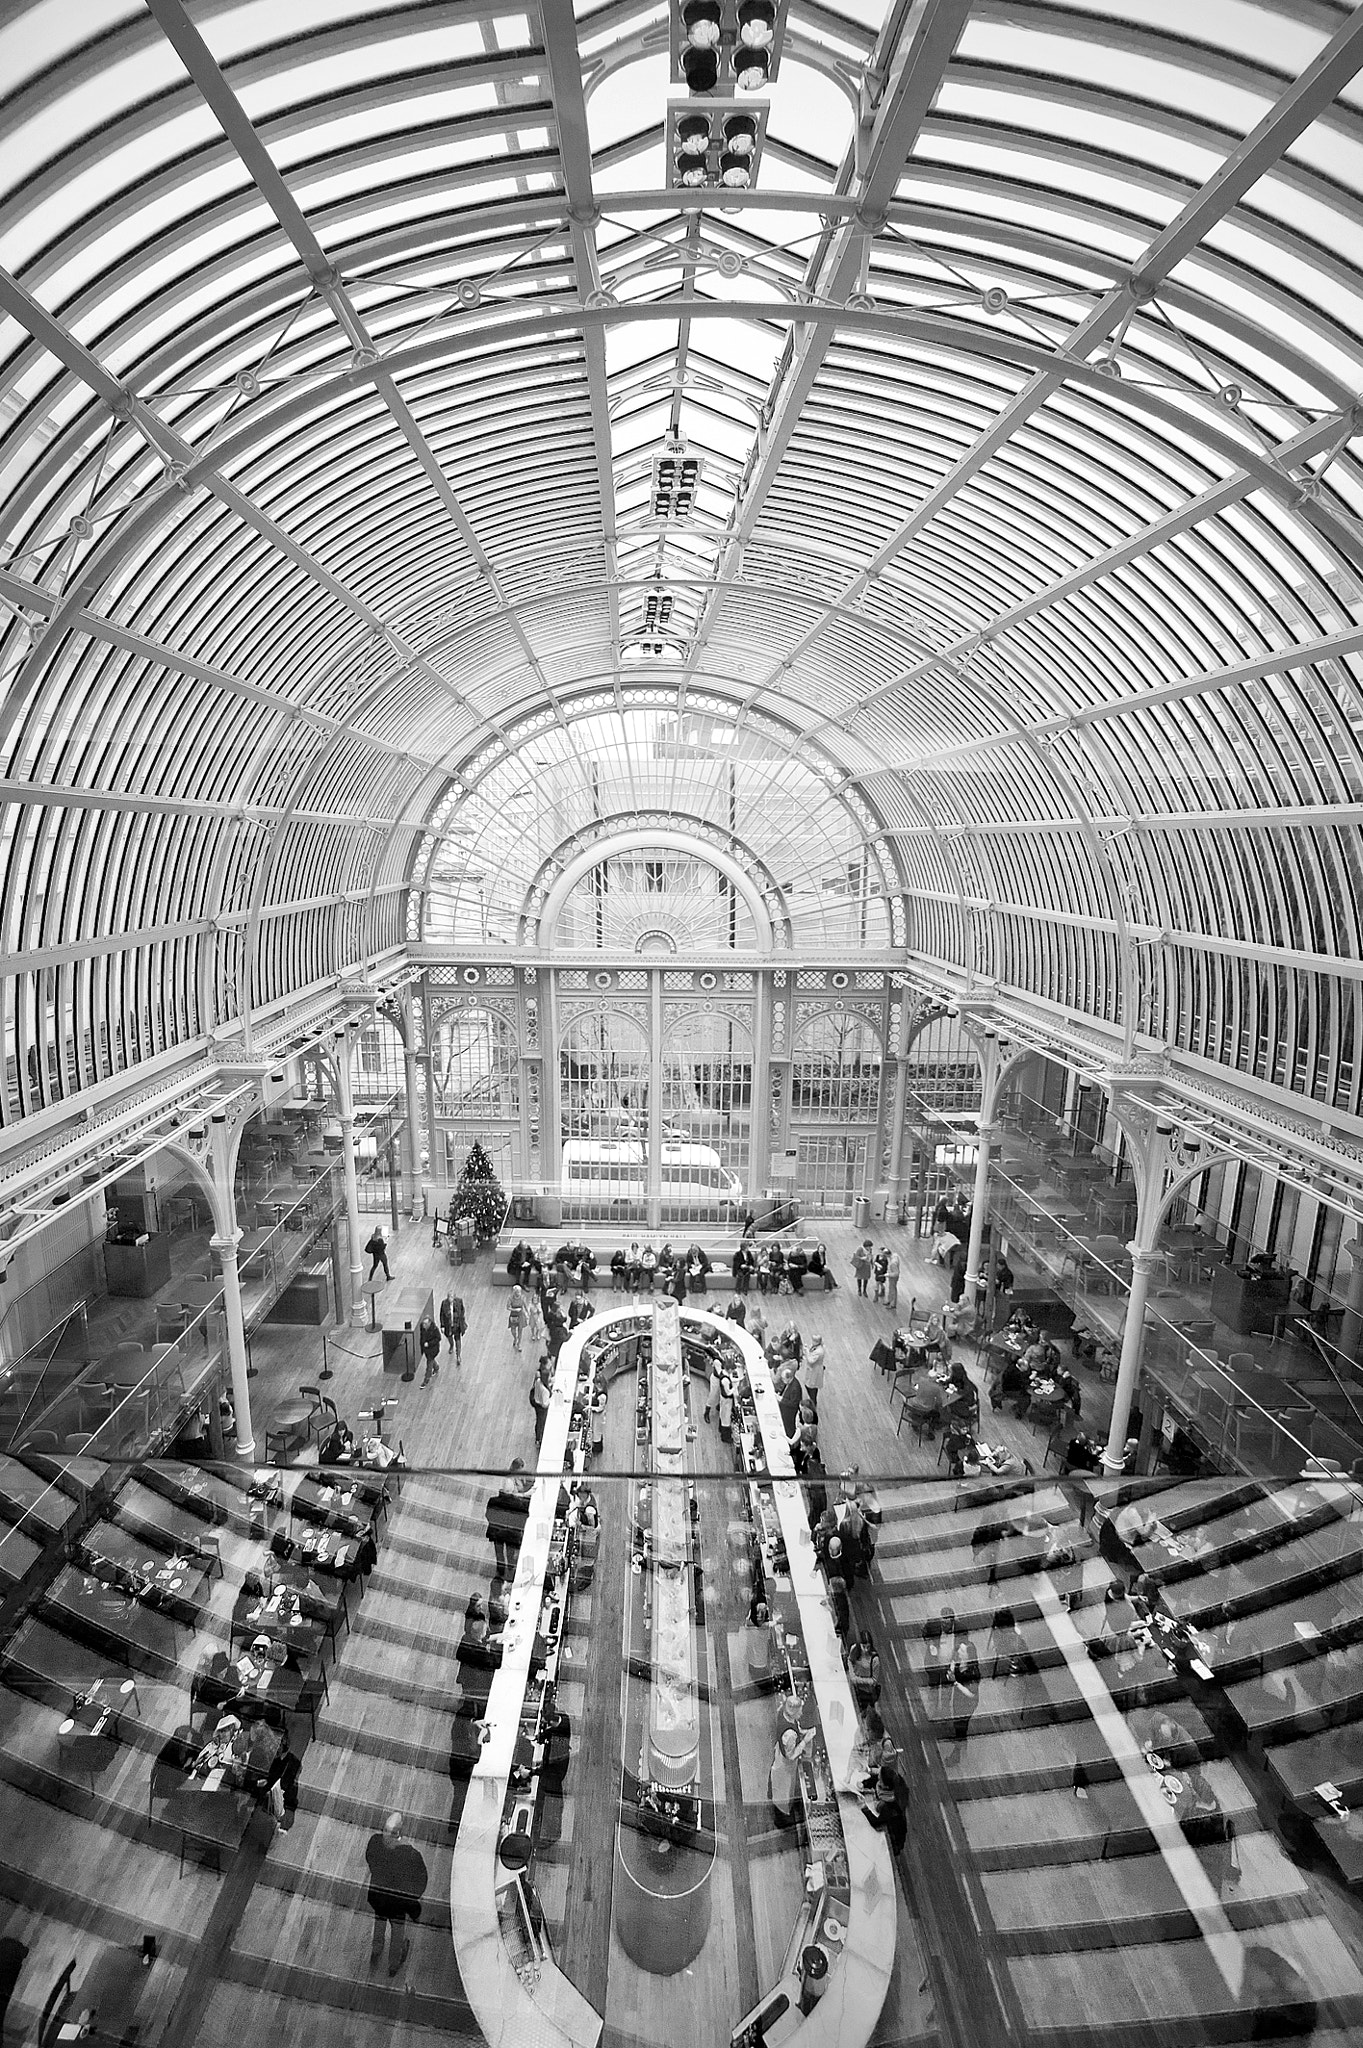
x=693 y=1176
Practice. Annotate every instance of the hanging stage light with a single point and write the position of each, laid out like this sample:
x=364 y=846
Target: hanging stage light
x=744 y=38
x=702 y=21
x=707 y=145
x=693 y=135
x=700 y=68
x=740 y=134
x=757 y=24
x=751 y=67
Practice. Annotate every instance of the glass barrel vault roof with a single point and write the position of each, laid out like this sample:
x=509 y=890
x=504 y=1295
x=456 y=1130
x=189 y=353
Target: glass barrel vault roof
x=338 y=344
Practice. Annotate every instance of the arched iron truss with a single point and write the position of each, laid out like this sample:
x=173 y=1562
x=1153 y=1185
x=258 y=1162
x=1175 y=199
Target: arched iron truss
x=729 y=854
x=1025 y=384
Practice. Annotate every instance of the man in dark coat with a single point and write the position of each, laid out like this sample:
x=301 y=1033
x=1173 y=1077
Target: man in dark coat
x=397 y=1884
x=454 y=1322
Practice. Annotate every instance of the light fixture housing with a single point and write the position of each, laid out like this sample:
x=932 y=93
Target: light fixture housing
x=744 y=37
x=703 y=144
x=675 y=477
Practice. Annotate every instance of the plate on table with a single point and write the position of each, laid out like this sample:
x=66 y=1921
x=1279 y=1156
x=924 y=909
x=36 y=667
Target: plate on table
x=834 y=1929
x=175 y=1585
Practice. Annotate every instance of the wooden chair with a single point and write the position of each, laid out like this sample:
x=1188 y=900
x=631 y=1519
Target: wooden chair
x=171 y=1324
x=318 y=1425
x=96 y=1402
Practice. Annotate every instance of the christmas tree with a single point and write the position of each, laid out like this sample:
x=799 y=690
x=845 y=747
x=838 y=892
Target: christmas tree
x=479 y=1195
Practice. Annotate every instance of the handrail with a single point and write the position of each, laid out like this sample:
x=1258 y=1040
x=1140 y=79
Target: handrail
x=60 y=1331
x=1207 y=1360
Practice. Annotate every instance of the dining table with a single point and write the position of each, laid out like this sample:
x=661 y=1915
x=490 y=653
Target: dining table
x=215 y=1801
x=281 y=1615
x=102 y=1612
x=1174 y=1784
x=111 y=1988
x=89 y=1735
x=326 y=1550
x=324 y=1598
x=262 y=1689
x=176 y=1585
x=346 y=1502
x=37 y=1504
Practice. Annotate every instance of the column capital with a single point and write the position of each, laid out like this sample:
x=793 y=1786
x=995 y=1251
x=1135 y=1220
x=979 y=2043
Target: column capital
x=226 y=1246
x=1354 y=1247
x=1143 y=1261
x=987 y=1133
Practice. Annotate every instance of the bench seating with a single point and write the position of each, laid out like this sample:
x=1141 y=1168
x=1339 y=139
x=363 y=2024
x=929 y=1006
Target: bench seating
x=719 y=1250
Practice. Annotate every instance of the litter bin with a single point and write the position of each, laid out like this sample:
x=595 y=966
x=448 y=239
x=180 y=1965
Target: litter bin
x=861 y=1213
x=813 y=1977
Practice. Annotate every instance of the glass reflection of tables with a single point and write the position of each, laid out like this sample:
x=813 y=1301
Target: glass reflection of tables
x=88 y=1737
x=213 y=1801
x=106 y=1612
x=281 y=1616
x=343 y=1501
x=111 y=1989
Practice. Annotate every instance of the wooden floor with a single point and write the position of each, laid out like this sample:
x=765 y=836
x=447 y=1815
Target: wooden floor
x=480 y=1418
x=1014 y=1923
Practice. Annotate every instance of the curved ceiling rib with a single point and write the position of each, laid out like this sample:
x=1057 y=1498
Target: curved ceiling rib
x=336 y=351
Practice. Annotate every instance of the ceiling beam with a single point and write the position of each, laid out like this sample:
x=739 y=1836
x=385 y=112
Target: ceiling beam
x=915 y=70
x=1260 y=150
x=575 y=152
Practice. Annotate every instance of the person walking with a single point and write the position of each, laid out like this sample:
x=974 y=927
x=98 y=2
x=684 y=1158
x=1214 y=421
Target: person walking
x=397 y=1885
x=428 y=1336
x=861 y=1266
x=892 y=1279
x=812 y=1370
x=516 y=1317
x=454 y=1322
x=507 y=1510
x=539 y=1399
x=962 y=1686
x=377 y=1249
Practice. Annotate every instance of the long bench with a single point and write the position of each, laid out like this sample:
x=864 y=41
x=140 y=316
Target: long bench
x=719 y=1251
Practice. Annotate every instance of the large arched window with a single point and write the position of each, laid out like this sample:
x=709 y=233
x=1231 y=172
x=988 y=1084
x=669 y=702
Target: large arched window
x=835 y=1070
x=655 y=899
x=604 y=1064
x=474 y=1067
